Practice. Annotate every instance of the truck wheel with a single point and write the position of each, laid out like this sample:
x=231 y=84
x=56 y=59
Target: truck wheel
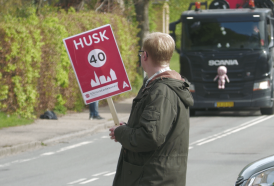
x=267 y=111
x=191 y=112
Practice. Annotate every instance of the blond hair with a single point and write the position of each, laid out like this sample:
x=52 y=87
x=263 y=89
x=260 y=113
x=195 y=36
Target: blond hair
x=160 y=47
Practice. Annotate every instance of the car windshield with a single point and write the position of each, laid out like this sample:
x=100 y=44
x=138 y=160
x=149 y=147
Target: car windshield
x=203 y=35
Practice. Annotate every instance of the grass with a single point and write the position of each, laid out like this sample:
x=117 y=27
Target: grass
x=13 y=120
x=175 y=62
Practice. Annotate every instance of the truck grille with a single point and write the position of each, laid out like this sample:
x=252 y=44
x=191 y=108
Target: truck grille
x=201 y=73
x=232 y=90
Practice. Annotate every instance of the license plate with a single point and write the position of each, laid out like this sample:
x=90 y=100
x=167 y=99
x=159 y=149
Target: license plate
x=224 y=104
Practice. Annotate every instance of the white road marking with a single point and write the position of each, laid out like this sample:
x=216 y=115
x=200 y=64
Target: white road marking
x=5 y=165
x=236 y=130
x=190 y=148
x=18 y=161
x=105 y=137
x=98 y=174
x=246 y=123
x=109 y=174
x=231 y=130
x=25 y=160
x=74 y=146
x=93 y=179
x=47 y=154
x=82 y=179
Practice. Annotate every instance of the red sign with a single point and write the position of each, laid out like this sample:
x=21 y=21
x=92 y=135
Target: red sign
x=97 y=64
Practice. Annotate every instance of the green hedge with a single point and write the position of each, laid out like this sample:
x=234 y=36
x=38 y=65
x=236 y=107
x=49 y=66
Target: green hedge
x=35 y=71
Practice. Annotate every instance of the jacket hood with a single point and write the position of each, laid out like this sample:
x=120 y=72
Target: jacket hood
x=178 y=84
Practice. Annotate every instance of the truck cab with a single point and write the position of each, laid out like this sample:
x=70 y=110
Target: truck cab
x=241 y=41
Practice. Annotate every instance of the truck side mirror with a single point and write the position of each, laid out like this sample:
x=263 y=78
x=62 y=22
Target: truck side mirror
x=172 y=28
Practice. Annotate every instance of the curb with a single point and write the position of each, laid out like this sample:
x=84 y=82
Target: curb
x=38 y=144
x=19 y=148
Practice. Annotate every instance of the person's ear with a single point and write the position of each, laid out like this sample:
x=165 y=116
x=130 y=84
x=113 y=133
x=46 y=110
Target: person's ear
x=145 y=55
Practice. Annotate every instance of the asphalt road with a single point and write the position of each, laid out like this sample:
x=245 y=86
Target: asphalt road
x=221 y=144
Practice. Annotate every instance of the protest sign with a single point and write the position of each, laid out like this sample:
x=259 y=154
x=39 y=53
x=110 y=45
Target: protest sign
x=97 y=64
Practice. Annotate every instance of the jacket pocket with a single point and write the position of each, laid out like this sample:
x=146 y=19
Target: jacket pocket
x=149 y=119
x=131 y=174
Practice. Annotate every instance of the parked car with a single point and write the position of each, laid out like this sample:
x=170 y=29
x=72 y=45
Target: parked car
x=258 y=173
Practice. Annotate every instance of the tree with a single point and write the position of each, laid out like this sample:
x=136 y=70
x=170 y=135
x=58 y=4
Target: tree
x=141 y=9
x=110 y=6
x=80 y=5
x=39 y=4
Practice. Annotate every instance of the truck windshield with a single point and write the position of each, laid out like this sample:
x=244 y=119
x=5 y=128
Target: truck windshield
x=202 y=35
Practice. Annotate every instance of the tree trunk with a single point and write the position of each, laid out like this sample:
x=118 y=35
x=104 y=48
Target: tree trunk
x=121 y=4
x=101 y=5
x=80 y=6
x=39 y=4
x=141 y=9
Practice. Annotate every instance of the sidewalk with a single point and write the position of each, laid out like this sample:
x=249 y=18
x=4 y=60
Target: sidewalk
x=46 y=132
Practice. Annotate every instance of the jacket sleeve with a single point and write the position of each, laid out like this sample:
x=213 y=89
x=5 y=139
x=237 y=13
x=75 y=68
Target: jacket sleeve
x=155 y=123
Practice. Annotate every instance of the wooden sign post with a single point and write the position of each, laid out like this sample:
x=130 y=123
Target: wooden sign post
x=113 y=111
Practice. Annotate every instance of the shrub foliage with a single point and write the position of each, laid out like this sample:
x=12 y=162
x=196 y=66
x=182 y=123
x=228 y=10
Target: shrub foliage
x=35 y=71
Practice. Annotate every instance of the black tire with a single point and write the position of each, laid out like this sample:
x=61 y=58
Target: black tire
x=267 y=111
x=191 y=112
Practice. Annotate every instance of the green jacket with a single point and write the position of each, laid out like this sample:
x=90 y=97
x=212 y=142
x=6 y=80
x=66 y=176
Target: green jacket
x=156 y=138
